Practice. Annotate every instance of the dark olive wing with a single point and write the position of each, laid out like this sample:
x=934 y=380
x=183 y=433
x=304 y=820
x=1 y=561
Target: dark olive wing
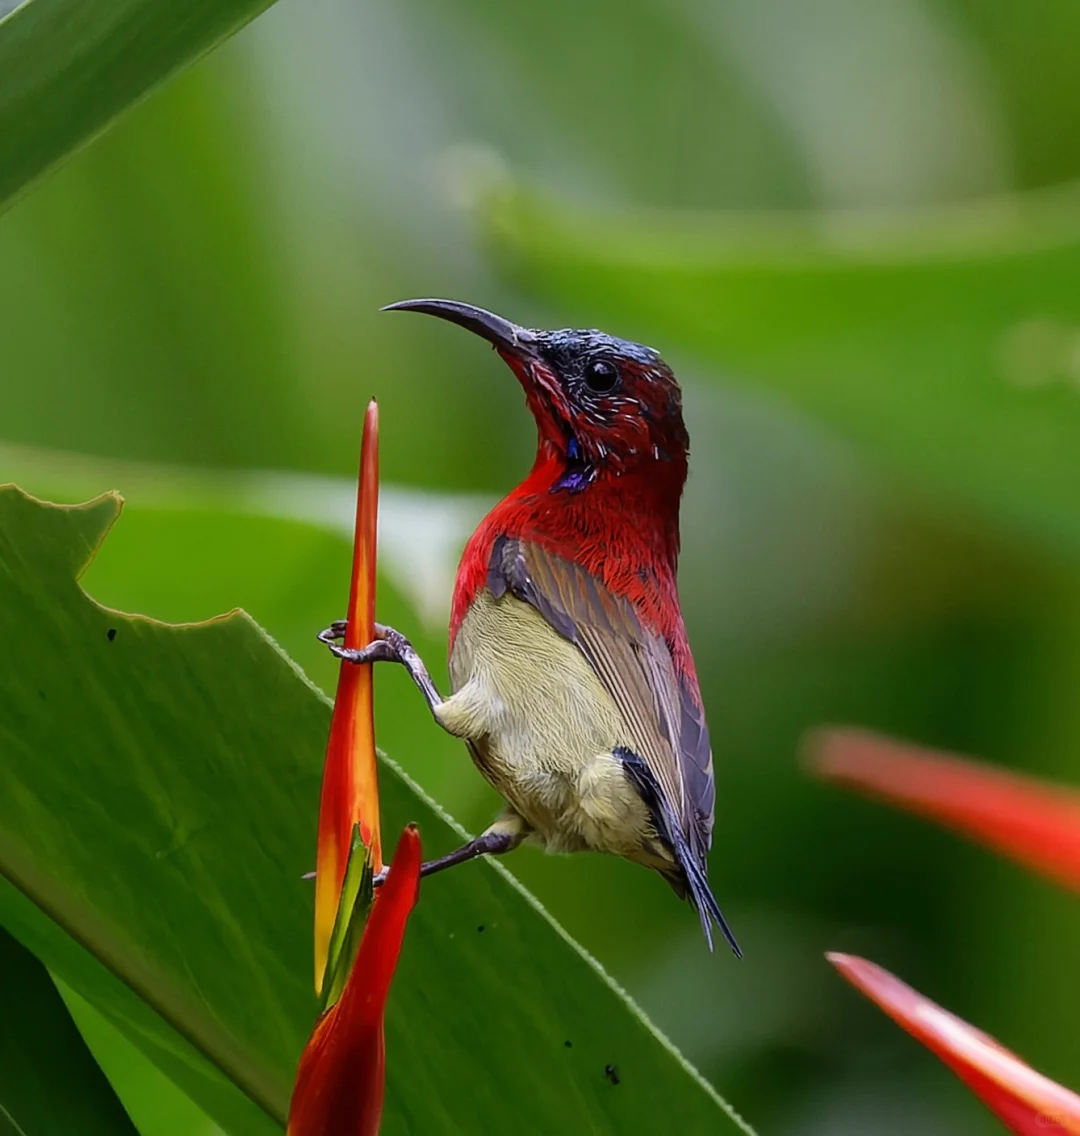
x=663 y=714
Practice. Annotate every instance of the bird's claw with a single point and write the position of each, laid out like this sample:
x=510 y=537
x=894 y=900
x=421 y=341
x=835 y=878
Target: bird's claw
x=336 y=630
x=380 y=651
x=388 y=646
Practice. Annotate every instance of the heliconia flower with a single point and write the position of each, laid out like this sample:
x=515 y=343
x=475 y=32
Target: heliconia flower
x=350 y=790
x=1033 y=822
x=342 y=1075
x=1028 y=1103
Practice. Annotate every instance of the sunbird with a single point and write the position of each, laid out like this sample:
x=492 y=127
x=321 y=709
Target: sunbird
x=573 y=685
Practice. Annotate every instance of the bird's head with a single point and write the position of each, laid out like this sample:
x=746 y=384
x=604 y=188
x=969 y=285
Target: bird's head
x=602 y=405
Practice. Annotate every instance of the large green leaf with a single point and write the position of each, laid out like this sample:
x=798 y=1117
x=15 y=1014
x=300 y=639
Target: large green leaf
x=69 y=67
x=158 y=792
x=41 y=1049
x=946 y=345
x=154 y=1102
x=198 y=542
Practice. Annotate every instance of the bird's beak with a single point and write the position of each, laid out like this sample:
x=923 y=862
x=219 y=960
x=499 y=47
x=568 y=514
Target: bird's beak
x=507 y=337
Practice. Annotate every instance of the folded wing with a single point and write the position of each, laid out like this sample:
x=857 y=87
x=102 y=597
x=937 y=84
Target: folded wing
x=662 y=710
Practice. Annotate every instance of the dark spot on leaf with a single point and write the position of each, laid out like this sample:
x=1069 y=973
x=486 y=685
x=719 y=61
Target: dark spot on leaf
x=110 y=634
x=481 y=927
x=568 y=1044
x=41 y=695
x=612 y=1074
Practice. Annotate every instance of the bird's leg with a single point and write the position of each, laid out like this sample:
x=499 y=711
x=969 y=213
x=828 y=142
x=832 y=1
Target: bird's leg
x=389 y=646
x=503 y=836
x=486 y=844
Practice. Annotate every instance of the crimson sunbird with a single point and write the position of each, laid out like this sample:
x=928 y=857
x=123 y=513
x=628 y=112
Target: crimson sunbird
x=572 y=681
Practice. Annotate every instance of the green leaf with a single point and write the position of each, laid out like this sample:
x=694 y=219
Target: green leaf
x=155 y=1104
x=42 y=1051
x=69 y=67
x=357 y=896
x=946 y=345
x=158 y=798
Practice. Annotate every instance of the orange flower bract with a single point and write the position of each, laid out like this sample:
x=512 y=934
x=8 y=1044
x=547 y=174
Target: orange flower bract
x=350 y=791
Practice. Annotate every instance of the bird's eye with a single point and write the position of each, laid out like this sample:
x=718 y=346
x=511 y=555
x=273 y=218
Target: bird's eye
x=601 y=376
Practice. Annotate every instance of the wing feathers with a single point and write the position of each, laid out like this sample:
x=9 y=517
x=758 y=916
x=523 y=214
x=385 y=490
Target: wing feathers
x=635 y=665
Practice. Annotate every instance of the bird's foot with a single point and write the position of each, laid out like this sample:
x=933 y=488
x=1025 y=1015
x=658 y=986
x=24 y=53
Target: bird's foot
x=388 y=646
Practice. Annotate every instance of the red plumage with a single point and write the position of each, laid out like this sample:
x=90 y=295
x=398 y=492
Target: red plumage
x=623 y=528
x=623 y=531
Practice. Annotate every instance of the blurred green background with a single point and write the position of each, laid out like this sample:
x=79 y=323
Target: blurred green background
x=850 y=227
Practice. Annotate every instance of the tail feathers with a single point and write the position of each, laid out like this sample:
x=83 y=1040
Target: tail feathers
x=692 y=881
x=703 y=899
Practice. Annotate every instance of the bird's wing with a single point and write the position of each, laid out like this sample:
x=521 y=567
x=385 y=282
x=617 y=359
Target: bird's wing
x=661 y=710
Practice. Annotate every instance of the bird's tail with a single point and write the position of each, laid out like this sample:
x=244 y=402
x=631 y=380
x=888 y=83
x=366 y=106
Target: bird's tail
x=689 y=879
x=693 y=884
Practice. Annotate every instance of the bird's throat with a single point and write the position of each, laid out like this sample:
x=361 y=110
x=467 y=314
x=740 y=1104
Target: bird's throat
x=578 y=472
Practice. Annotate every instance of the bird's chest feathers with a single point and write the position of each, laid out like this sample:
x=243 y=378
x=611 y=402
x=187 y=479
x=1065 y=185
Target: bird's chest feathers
x=541 y=724
x=518 y=682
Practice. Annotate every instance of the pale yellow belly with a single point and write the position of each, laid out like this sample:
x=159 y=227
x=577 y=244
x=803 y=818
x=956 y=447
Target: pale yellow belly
x=543 y=728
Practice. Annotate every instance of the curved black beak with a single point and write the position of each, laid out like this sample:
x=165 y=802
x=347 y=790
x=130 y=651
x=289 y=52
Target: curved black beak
x=505 y=336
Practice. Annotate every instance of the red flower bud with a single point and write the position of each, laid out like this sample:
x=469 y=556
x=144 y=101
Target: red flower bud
x=342 y=1074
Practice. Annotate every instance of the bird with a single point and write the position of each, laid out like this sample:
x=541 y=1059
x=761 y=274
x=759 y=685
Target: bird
x=572 y=681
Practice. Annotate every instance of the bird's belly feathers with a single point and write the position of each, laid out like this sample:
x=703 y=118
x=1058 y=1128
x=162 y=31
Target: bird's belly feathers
x=542 y=729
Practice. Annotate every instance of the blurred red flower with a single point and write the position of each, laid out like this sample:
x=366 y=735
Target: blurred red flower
x=1036 y=824
x=1033 y=822
x=1029 y=1103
